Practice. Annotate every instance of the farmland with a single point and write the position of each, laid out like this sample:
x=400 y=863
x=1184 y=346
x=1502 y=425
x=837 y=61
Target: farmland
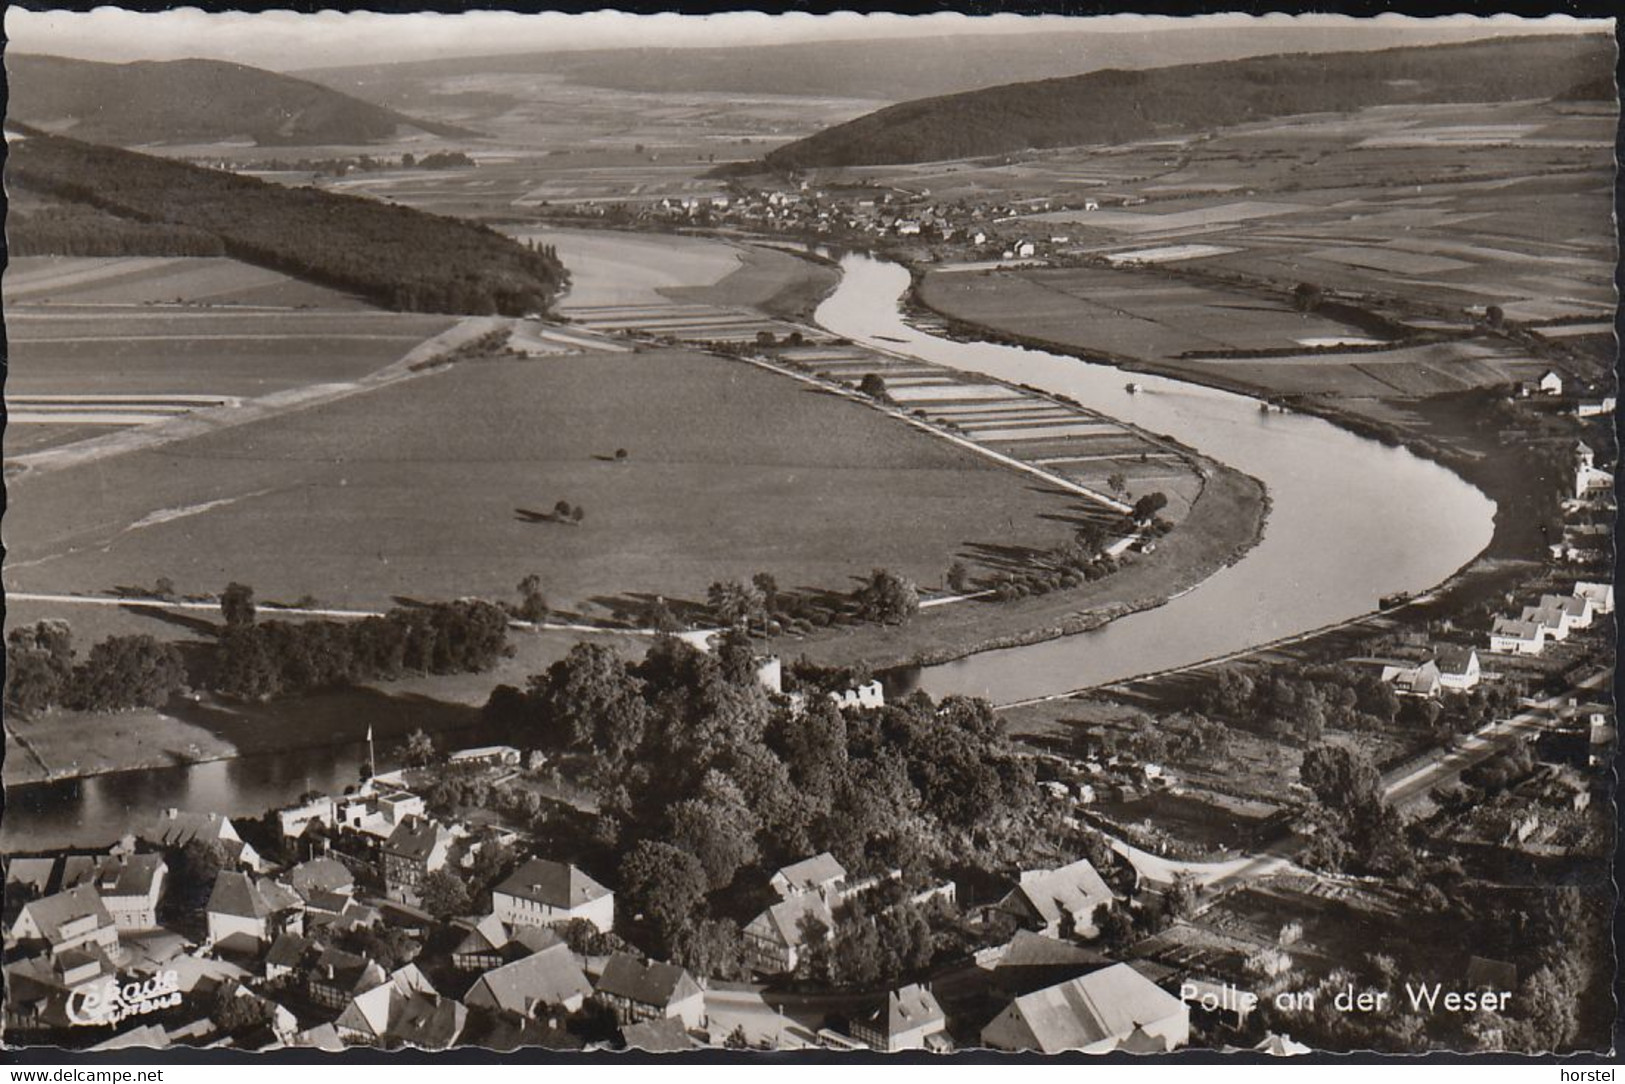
x=1424 y=215
x=441 y=486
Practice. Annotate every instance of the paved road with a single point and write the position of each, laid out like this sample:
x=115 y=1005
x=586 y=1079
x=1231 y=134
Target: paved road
x=1441 y=766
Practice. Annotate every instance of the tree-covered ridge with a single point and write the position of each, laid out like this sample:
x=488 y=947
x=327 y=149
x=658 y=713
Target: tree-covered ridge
x=395 y=256
x=195 y=100
x=1115 y=106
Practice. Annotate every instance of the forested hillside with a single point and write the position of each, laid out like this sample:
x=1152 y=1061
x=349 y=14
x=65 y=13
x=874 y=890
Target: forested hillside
x=1121 y=106
x=395 y=256
x=176 y=101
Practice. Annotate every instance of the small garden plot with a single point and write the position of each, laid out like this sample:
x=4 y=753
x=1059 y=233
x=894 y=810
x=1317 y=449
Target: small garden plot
x=1041 y=432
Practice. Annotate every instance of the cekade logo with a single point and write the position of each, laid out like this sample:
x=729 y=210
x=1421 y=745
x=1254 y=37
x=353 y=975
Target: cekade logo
x=108 y=1002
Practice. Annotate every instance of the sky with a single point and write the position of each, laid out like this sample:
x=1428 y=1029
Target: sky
x=284 y=40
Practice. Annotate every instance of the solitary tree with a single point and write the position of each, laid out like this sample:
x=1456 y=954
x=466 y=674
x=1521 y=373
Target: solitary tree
x=620 y=455
x=1117 y=484
x=958 y=577
x=561 y=511
x=873 y=386
x=444 y=894
x=1146 y=508
x=237 y=605
x=532 y=603
x=887 y=598
x=1306 y=297
x=419 y=749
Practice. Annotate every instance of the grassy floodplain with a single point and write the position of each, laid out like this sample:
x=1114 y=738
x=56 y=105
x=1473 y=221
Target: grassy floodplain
x=438 y=487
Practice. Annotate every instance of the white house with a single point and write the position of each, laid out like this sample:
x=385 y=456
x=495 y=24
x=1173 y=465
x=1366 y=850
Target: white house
x=869 y=695
x=486 y=755
x=1591 y=408
x=129 y=885
x=911 y=1019
x=244 y=912
x=1024 y=250
x=75 y=919
x=1554 y=621
x=1059 y=902
x=1458 y=666
x=543 y=893
x=1600 y=594
x=821 y=874
x=1550 y=382
x=1509 y=637
x=774 y=939
x=1576 y=609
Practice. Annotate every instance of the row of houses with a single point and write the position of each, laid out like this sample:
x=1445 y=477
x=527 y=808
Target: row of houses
x=1551 y=619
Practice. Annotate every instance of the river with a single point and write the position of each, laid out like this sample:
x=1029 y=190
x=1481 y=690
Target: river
x=1351 y=519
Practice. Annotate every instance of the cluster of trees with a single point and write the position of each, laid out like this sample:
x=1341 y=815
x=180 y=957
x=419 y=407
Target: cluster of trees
x=75 y=229
x=1186 y=738
x=874 y=942
x=1300 y=702
x=118 y=674
x=701 y=775
x=396 y=256
x=1354 y=827
x=257 y=660
x=884 y=598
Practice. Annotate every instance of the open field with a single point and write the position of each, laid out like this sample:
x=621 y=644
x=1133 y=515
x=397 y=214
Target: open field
x=1128 y=313
x=444 y=485
x=1225 y=521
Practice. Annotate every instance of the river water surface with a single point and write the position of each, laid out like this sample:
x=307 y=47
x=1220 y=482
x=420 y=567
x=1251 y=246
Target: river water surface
x=1351 y=520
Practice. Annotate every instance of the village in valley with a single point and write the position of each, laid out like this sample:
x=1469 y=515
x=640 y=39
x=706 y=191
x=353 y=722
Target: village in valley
x=652 y=573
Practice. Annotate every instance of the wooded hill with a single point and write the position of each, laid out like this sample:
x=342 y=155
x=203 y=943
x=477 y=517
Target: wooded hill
x=395 y=256
x=1118 y=106
x=179 y=101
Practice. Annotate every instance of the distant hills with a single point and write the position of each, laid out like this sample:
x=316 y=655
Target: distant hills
x=885 y=69
x=184 y=101
x=1116 y=106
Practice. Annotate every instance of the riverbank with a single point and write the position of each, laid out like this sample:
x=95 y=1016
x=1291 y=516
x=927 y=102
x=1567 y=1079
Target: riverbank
x=1226 y=521
x=61 y=745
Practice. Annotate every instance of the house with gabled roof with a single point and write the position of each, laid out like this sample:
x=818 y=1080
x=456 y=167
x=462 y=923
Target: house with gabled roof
x=246 y=913
x=1032 y=961
x=338 y=977
x=775 y=938
x=173 y=829
x=1509 y=637
x=488 y=943
x=66 y=921
x=547 y=980
x=1059 y=902
x=290 y=957
x=416 y=848
x=321 y=875
x=1110 y=1009
x=403 y=1011
x=1550 y=619
x=542 y=892
x=1600 y=594
x=1458 y=666
x=821 y=873
x=1576 y=609
x=1423 y=679
x=910 y=1019
x=637 y=990
x=130 y=885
